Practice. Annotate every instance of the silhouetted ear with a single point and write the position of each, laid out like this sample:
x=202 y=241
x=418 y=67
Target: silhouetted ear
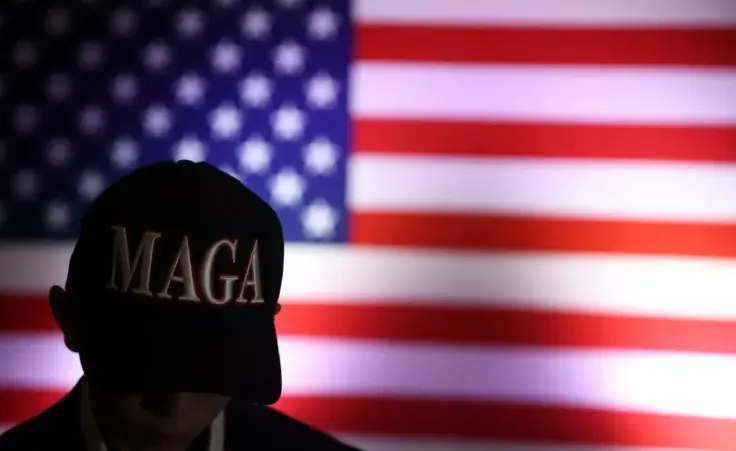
x=66 y=315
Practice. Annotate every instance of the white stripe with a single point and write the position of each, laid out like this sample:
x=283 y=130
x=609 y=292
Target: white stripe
x=656 y=382
x=387 y=443
x=655 y=286
x=529 y=186
x=544 y=93
x=651 y=13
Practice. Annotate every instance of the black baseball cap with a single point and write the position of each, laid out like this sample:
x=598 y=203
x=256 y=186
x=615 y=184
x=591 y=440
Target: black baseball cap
x=177 y=272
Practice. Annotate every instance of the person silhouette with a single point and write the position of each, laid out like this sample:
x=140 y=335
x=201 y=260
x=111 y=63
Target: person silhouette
x=170 y=300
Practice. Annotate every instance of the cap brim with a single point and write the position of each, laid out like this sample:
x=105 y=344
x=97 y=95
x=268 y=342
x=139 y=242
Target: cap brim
x=233 y=353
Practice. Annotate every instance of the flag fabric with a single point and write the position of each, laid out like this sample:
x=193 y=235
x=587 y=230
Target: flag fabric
x=511 y=225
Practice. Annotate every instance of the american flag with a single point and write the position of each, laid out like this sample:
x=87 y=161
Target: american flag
x=510 y=223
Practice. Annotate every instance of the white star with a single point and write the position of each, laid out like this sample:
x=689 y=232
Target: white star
x=26 y=118
x=57 y=21
x=321 y=91
x=124 y=153
x=58 y=152
x=190 y=148
x=157 y=56
x=92 y=120
x=287 y=187
x=289 y=58
x=59 y=87
x=125 y=88
x=190 y=89
x=227 y=3
x=91 y=55
x=57 y=216
x=320 y=156
x=226 y=122
x=123 y=23
x=157 y=120
x=255 y=90
x=26 y=54
x=288 y=123
x=226 y=57
x=289 y=4
x=319 y=220
x=25 y=184
x=190 y=23
x=91 y=184
x=256 y=24
x=323 y=23
x=255 y=155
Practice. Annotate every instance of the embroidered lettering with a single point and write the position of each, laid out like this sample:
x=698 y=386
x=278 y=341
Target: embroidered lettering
x=216 y=289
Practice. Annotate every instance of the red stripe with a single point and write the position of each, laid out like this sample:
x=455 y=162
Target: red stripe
x=499 y=233
x=452 y=418
x=507 y=327
x=511 y=422
x=471 y=325
x=24 y=313
x=442 y=138
x=661 y=46
x=18 y=405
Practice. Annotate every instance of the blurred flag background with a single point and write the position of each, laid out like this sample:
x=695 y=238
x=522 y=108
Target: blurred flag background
x=511 y=224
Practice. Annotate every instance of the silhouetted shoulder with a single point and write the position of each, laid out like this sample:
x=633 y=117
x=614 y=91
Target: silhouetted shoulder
x=57 y=427
x=298 y=434
x=265 y=428
x=21 y=438
x=247 y=427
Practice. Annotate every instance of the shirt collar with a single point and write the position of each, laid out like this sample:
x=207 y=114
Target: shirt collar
x=93 y=440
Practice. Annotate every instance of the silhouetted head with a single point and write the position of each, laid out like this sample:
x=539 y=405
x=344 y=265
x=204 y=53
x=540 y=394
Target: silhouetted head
x=170 y=302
